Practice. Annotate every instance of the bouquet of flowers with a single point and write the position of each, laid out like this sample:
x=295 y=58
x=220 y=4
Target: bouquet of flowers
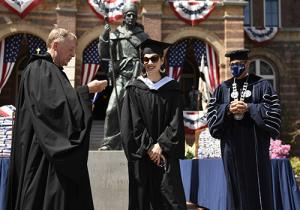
x=278 y=150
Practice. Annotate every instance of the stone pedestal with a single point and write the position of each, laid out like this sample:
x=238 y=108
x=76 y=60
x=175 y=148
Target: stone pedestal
x=109 y=179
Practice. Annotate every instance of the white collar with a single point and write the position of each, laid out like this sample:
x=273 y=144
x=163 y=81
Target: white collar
x=157 y=85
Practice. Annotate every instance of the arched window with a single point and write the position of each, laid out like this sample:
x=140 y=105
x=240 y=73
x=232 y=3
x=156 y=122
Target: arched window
x=263 y=69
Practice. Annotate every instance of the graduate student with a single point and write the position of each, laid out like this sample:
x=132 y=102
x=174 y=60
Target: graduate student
x=244 y=113
x=48 y=168
x=153 y=135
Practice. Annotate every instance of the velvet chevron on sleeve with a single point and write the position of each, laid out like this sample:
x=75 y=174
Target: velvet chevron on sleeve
x=217 y=114
x=266 y=113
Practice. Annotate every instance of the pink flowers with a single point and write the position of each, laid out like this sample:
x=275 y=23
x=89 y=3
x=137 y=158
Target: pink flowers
x=278 y=150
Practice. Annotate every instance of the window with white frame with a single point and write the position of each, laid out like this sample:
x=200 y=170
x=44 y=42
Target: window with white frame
x=272 y=13
x=247 y=14
x=264 y=69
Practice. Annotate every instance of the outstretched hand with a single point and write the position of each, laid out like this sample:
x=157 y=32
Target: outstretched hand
x=97 y=85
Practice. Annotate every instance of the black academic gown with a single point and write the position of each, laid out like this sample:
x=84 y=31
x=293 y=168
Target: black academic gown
x=48 y=169
x=245 y=143
x=151 y=116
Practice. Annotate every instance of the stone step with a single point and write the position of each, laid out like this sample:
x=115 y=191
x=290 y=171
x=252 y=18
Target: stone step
x=97 y=133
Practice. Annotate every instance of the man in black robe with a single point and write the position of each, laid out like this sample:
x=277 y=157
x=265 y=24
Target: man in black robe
x=244 y=113
x=48 y=168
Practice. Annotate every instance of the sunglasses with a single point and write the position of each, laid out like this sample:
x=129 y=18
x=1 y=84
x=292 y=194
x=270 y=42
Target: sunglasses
x=153 y=59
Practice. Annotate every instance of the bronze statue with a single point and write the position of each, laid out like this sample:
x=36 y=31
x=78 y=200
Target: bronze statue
x=121 y=46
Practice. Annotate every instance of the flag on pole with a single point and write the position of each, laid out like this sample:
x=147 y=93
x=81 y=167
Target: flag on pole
x=210 y=68
x=9 y=49
x=175 y=59
x=91 y=62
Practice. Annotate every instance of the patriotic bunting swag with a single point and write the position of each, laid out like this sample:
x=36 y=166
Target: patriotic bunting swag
x=9 y=50
x=91 y=62
x=112 y=8
x=194 y=120
x=192 y=12
x=20 y=7
x=260 y=35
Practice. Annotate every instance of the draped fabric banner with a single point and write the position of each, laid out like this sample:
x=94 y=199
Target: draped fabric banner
x=91 y=62
x=192 y=12
x=175 y=59
x=20 y=7
x=194 y=120
x=112 y=9
x=260 y=35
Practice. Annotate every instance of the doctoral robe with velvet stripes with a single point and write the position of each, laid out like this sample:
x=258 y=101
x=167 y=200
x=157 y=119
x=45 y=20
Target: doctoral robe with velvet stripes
x=245 y=143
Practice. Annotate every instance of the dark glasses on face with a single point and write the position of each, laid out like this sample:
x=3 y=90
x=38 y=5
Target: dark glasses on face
x=153 y=59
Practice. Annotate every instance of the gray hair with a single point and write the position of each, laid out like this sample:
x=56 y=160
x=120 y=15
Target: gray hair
x=59 y=34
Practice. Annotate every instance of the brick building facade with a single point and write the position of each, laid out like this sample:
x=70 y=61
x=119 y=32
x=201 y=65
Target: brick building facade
x=223 y=30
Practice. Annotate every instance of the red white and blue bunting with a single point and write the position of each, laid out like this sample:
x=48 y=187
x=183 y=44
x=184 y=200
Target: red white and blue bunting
x=194 y=120
x=192 y=12
x=20 y=7
x=260 y=35
x=112 y=9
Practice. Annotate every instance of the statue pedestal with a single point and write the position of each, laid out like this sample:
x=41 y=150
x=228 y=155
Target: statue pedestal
x=109 y=179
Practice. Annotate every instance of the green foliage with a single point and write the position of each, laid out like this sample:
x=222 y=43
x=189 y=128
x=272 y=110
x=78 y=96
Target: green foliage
x=290 y=129
x=189 y=155
x=295 y=162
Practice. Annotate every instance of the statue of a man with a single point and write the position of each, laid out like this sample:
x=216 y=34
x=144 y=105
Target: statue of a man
x=124 y=44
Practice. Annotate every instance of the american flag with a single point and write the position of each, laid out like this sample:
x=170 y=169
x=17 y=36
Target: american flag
x=91 y=62
x=9 y=49
x=211 y=62
x=176 y=57
x=36 y=45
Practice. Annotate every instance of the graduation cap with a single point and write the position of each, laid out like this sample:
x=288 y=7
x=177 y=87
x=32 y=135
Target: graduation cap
x=241 y=54
x=150 y=46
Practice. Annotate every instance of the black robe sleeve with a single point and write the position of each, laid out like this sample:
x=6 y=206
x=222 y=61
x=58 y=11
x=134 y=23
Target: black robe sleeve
x=61 y=118
x=172 y=138
x=217 y=113
x=135 y=137
x=266 y=112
